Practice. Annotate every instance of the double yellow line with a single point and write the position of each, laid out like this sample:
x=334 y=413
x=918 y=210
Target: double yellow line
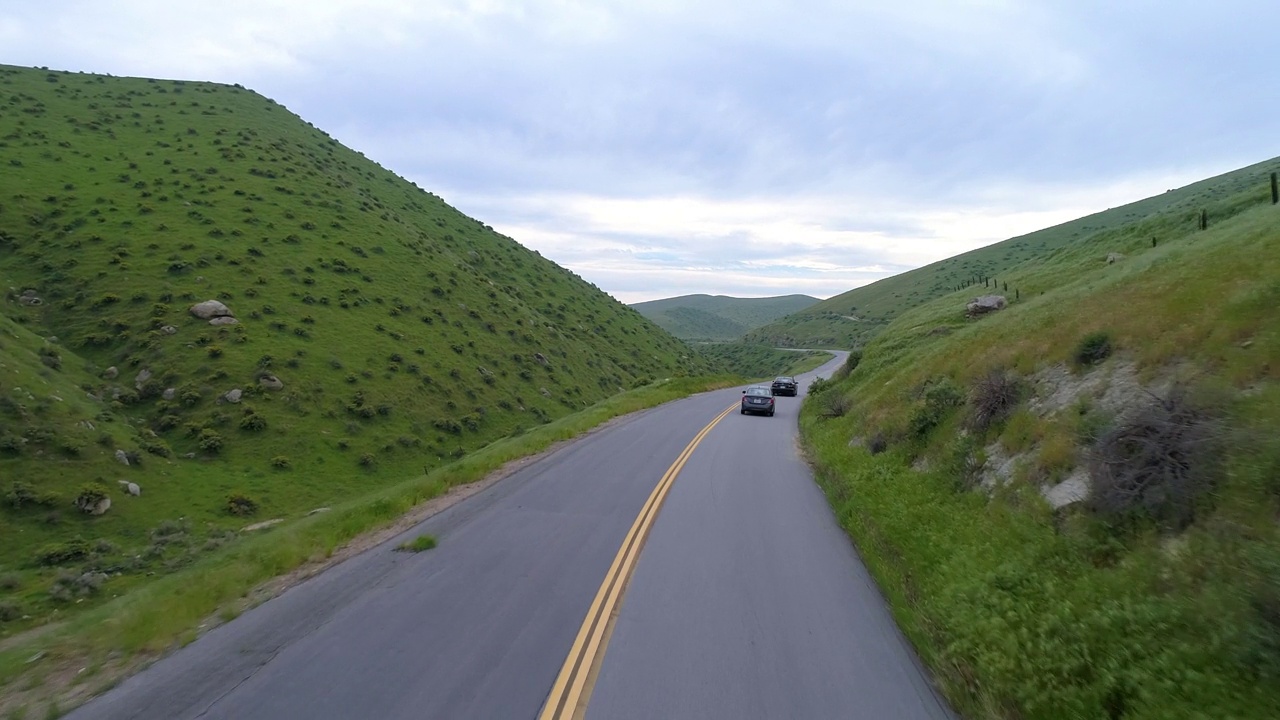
x=572 y=689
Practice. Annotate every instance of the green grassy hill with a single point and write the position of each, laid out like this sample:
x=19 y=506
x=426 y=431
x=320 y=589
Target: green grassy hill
x=1072 y=503
x=719 y=317
x=379 y=333
x=851 y=319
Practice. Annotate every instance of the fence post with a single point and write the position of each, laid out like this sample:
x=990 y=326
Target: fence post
x=1204 y=219
x=1275 y=190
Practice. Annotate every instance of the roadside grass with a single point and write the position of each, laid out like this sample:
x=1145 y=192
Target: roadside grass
x=1024 y=611
x=418 y=544
x=155 y=616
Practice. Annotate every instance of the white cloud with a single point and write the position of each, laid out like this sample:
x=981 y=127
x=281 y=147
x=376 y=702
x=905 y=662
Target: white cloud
x=747 y=146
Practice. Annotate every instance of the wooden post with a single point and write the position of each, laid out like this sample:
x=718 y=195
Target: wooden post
x=1153 y=242
x=1275 y=190
x=1204 y=219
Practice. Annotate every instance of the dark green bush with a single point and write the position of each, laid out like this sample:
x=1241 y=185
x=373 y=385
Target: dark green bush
x=64 y=552
x=241 y=504
x=1092 y=349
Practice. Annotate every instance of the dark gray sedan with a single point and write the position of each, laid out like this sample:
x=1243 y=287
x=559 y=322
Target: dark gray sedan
x=757 y=399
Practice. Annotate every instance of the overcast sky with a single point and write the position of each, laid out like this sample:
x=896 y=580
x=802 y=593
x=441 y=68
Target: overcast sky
x=738 y=147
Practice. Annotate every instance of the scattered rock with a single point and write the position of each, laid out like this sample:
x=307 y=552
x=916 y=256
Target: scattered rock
x=143 y=376
x=211 y=309
x=542 y=359
x=131 y=488
x=999 y=467
x=122 y=457
x=111 y=373
x=1114 y=257
x=545 y=392
x=317 y=511
x=29 y=298
x=86 y=425
x=169 y=330
x=52 y=339
x=233 y=395
x=271 y=382
x=984 y=304
x=1072 y=490
x=226 y=320
x=189 y=456
x=169 y=393
x=263 y=525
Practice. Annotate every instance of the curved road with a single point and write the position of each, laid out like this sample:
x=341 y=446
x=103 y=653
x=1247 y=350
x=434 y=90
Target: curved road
x=747 y=601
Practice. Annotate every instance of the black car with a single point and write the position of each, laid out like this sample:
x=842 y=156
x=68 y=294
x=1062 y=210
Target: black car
x=757 y=399
x=784 y=386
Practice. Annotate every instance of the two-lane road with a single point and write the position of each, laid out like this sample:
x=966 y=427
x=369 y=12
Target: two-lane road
x=747 y=600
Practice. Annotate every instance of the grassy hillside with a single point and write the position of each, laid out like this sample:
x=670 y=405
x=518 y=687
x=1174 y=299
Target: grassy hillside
x=851 y=319
x=379 y=333
x=1072 y=503
x=719 y=317
x=760 y=362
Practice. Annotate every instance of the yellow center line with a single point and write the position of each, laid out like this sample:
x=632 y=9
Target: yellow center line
x=588 y=648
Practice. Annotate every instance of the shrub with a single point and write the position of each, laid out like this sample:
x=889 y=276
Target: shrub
x=1092 y=349
x=993 y=397
x=58 y=553
x=368 y=460
x=253 y=422
x=210 y=441
x=281 y=462
x=10 y=610
x=155 y=446
x=241 y=504
x=1159 y=463
x=90 y=495
x=938 y=398
x=834 y=405
x=21 y=494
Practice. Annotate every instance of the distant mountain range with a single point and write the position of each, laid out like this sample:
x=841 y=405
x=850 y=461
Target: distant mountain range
x=719 y=317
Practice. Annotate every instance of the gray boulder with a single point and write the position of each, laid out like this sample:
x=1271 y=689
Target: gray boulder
x=169 y=330
x=111 y=373
x=169 y=393
x=97 y=507
x=985 y=304
x=210 y=309
x=271 y=382
x=225 y=320
x=542 y=359
x=233 y=395
x=143 y=376
x=131 y=488
x=122 y=457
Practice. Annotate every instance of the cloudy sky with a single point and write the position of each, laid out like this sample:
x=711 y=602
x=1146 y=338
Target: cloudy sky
x=749 y=148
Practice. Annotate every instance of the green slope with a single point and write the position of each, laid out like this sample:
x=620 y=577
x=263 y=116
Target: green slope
x=402 y=334
x=719 y=317
x=1159 y=595
x=851 y=319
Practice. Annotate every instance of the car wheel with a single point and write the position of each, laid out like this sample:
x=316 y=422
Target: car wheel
x=743 y=411
x=770 y=413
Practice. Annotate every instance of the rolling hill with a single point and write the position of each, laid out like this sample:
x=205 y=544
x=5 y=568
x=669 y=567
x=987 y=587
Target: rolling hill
x=367 y=331
x=851 y=319
x=718 y=317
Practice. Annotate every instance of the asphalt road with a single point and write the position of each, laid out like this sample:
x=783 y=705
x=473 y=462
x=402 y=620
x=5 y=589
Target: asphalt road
x=746 y=602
